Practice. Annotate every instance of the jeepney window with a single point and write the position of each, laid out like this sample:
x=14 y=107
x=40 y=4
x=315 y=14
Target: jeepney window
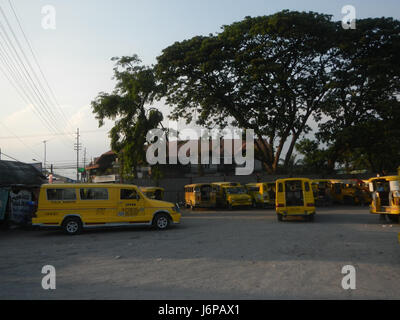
x=307 y=186
x=280 y=187
x=197 y=189
x=128 y=194
x=69 y=194
x=94 y=194
x=61 y=194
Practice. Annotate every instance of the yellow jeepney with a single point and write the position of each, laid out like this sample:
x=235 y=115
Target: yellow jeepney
x=231 y=194
x=294 y=197
x=155 y=193
x=271 y=188
x=322 y=190
x=385 y=196
x=350 y=191
x=259 y=194
x=200 y=195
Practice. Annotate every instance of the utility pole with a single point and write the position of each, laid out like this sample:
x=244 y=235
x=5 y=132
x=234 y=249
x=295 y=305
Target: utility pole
x=84 y=163
x=77 y=147
x=44 y=164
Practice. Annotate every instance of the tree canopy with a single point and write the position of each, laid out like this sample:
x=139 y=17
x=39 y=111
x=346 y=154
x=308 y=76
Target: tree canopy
x=273 y=74
x=130 y=106
x=268 y=73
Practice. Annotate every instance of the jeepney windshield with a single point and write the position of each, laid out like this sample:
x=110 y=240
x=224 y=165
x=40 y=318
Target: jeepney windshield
x=235 y=190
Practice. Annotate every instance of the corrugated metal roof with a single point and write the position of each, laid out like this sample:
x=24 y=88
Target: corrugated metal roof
x=14 y=173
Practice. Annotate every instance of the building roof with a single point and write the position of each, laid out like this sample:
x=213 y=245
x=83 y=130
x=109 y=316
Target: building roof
x=14 y=173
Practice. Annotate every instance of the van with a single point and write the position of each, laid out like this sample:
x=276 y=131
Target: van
x=294 y=197
x=200 y=195
x=74 y=207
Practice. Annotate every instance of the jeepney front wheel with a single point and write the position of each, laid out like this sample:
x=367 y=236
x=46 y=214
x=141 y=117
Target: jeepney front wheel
x=72 y=226
x=161 y=221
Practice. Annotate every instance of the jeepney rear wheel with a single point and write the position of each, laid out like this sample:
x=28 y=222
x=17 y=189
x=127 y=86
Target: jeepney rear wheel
x=229 y=206
x=280 y=217
x=72 y=226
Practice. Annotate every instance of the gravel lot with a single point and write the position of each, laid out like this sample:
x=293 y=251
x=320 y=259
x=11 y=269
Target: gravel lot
x=211 y=255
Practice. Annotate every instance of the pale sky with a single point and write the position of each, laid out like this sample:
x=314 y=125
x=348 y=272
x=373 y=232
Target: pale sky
x=75 y=57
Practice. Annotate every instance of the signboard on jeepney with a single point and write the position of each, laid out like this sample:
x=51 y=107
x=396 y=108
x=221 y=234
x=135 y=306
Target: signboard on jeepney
x=106 y=179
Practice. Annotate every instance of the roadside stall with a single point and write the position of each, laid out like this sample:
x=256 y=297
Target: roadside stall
x=19 y=190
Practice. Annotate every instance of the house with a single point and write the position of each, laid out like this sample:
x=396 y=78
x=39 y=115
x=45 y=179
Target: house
x=106 y=168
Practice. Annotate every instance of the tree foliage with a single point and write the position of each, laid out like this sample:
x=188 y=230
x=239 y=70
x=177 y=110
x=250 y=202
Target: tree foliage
x=363 y=106
x=268 y=73
x=129 y=105
x=273 y=74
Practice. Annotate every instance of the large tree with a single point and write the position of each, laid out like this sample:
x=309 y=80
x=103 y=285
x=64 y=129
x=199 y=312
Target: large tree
x=130 y=106
x=269 y=74
x=362 y=111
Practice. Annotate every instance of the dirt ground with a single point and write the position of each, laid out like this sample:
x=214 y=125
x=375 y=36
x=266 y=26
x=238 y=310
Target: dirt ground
x=211 y=255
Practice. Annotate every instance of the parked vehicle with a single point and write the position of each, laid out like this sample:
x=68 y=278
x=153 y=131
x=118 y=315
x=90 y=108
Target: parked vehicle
x=155 y=193
x=350 y=192
x=231 y=194
x=294 y=197
x=385 y=196
x=322 y=190
x=201 y=195
x=271 y=188
x=74 y=207
x=259 y=194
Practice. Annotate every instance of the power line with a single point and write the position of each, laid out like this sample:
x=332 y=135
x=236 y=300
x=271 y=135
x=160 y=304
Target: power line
x=38 y=65
x=25 y=73
x=3 y=154
x=42 y=105
x=8 y=129
x=54 y=134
